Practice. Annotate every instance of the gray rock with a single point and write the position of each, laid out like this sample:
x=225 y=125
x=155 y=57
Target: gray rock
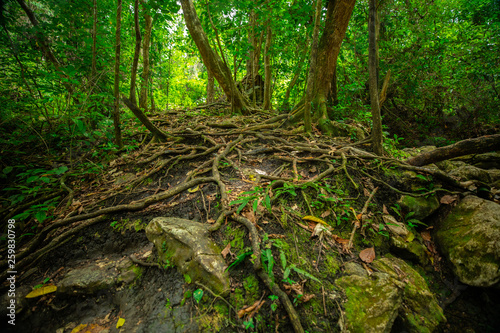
x=469 y=172
x=88 y=280
x=469 y=237
x=186 y=245
x=396 y=290
x=421 y=206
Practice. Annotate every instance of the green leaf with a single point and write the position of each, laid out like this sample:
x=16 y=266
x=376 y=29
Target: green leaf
x=255 y=205
x=7 y=170
x=283 y=259
x=306 y=274
x=267 y=203
x=240 y=259
x=198 y=295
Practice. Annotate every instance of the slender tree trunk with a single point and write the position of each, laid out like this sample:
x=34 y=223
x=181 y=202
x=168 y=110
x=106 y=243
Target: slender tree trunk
x=116 y=114
x=210 y=87
x=94 y=41
x=372 y=68
x=143 y=99
x=145 y=120
x=137 y=52
x=211 y=59
x=267 y=69
x=296 y=75
x=312 y=69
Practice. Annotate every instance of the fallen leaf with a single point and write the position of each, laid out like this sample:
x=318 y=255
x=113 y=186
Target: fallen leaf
x=384 y=210
x=226 y=250
x=448 y=199
x=325 y=214
x=321 y=230
x=250 y=310
x=426 y=235
x=367 y=255
x=120 y=322
x=47 y=289
x=192 y=190
x=314 y=219
x=394 y=226
x=79 y=328
x=366 y=192
x=313 y=169
x=211 y=221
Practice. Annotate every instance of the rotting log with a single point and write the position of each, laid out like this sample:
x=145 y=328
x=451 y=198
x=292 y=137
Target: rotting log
x=479 y=145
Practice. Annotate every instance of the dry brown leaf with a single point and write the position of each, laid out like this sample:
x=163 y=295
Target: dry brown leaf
x=226 y=250
x=211 y=221
x=306 y=298
x=250 y=310
x=326 y=213
x=366 y=192
x=367 y=255
x=249 y=214
x=384 y=210
x=313 y=169
x=274 y=236
x=448 y=199
x=426 y=235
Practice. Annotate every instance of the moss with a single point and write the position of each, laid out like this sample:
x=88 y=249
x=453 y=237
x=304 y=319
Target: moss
x=332 y=265
x=251 y=285
x=237 y=236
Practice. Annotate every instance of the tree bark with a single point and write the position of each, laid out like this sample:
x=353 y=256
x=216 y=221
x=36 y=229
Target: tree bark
x=479 y=145
x=116 y=113
x=312 y=68
x=211 y=59
x=143 y=99
x=137 y=52
x=210 y=87
x=267 y=69
x=337 y=19
x=94 y=41
x=373 y=81
x=296 y=75
x=161 y=136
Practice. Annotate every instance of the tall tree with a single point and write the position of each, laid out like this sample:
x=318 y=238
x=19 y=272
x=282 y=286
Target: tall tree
x=312 y=69
x=372 y=69
x=212 y=60
x=137 y=51
x=143 y=99
x=210 y=87
x=116 y=113
x=267 y=68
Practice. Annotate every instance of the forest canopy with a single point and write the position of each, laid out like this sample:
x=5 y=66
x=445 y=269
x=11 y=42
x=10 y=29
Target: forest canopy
x=58 y=61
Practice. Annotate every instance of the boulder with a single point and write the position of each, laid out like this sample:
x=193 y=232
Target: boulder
x=469 y=237
x=185 y=244
x=469 y=172
x=421 y=206
x=88 y=280
x=396 y=290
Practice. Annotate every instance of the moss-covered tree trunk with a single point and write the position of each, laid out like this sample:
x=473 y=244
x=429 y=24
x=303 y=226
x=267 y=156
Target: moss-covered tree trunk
x=143 y=98
x=373 y=81
x=137 y=51
x=337 y=19
x=212 y=60
x=116 y=112
x=267 y=69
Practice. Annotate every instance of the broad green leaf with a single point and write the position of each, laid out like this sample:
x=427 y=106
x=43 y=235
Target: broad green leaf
x=198 y=295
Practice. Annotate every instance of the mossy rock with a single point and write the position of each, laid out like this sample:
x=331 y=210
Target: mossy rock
x=421 y=206
x=469 y=237
x=186 y=244
x=396 y=290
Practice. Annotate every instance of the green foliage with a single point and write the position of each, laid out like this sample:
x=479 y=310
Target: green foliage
x=198 y=295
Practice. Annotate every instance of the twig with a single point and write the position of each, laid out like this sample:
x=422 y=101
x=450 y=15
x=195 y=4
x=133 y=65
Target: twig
x=365 y=208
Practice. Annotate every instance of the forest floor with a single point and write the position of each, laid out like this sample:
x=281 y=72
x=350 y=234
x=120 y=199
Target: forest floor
x=242 y=176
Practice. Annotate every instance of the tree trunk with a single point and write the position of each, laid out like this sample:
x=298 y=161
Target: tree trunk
x=94 y=41
x=137 y=52
x=480 y=145
x=373 y=81
x=210 y=87
x=161 y=136
x=116 y=113
x=267 y=69
x=337 y=19
x=296 y=74
x=211 y=59
x=312 y=68
x=143 y=99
